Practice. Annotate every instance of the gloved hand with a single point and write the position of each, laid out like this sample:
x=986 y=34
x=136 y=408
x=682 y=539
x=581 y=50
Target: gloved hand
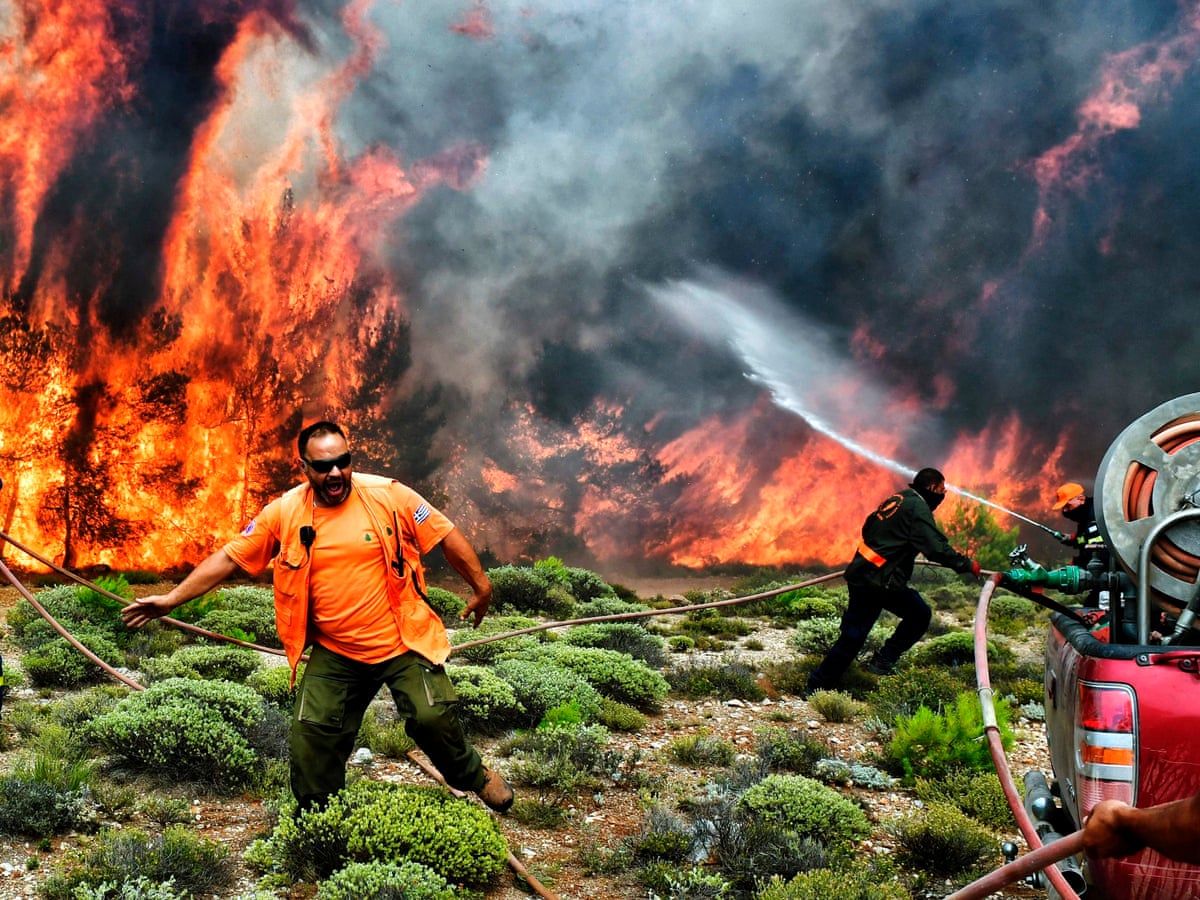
x=975 y=569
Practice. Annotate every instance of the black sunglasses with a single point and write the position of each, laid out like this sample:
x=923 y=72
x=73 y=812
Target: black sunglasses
x=326 y=465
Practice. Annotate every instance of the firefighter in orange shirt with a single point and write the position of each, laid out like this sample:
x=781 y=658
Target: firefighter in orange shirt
x=349 y=585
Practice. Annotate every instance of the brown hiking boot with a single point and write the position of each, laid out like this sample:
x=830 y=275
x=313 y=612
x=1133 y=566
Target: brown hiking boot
x=495 y=791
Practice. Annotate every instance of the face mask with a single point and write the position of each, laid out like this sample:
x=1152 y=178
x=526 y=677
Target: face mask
x=1077 y=514
x=934 y=500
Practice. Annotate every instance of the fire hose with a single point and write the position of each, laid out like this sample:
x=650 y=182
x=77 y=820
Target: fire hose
x=1044 y=857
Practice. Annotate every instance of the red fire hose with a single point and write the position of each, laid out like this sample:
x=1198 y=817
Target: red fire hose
x=1042 y=857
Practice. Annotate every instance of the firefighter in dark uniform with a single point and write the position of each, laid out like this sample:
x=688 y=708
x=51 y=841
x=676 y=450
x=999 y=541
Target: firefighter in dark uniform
x=1073 y=502
x=878 y=576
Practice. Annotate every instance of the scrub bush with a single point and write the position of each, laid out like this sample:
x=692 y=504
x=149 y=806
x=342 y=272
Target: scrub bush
x=620 y=716
x=944 y=840
x=957 y=648
x=936 y=745
x=531 y=591
x=203 y=661
x=489 y=652
x=933 y=687
x=624 y=637
x=586 y=586
x=540 y=687
x=58 y=664
x=808 y=808
x=447 y=604
x=978 y=794
x=606 y=606
x=386 y=881
x=835 y=706
x=844 y=884
x=725 y=680
x=563 y=758
x=702 y=750
x=244 y=611
x=663 y=836
x=487 y=704
x=816 y=636
x=194 y=865
x=274 y=684
x=33 y=808
x=615 y=675
x=371 y=821
x=182 y=726
x=781 y=750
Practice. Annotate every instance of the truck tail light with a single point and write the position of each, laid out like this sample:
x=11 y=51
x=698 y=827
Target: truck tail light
x=1105 y=754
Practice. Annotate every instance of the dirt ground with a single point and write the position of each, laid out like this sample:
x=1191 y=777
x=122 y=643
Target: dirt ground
x=553 y=856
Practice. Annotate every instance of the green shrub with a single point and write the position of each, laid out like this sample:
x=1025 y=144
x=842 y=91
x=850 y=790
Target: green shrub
x=587 y=587
x=748 y=852
x=141 y=888
x=181 y=726
x=781 y=750
x=447 y=604
x=1012 y=615
x=562 y=758
x=810 y=603
x=726 y=680
x=664 y=879
x=492 y=650
x=663 y=836
x=487 y=703
x=244 y=611
x=33 y=808
x=76 y=710
x=933 y=687
x=978 y=794
x=620 y=716
x=606 y=606
x=529 y=590
x=624 y=637
x=825 y=884
x=194 y=865
x=935 y=745
x=810 y=809
x=215 y=662
x=615 y=675
x=383 y=736
x=539 y=687
x=274 y=684
x=375 y=821
x=702 y=750
x=835 y=706
x=680 y=643
x=386 y=881
x=814 y=637
x=956 y=648
x=944 y=840
x=58 y=664
x=77 y=609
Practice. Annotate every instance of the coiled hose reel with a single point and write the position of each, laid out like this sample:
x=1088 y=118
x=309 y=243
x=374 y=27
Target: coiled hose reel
x=1150 y=472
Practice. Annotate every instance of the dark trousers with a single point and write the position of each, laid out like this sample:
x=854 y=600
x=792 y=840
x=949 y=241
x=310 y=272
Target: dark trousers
x=333 y=697
x=862 y=612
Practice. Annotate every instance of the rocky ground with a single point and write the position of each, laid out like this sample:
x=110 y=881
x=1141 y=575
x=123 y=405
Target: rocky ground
x=553 y=856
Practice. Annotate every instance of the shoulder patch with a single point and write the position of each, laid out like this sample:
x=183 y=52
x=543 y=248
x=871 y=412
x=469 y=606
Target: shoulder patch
x=250 y=526
x=422 y=513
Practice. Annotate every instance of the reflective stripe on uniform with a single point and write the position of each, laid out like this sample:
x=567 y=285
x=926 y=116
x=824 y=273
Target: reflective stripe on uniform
x=870 y=555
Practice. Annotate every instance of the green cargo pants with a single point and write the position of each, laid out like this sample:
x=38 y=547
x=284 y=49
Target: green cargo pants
x=333 y=697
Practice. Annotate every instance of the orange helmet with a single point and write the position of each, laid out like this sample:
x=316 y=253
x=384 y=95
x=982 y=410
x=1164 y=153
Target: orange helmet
x=1068 y=492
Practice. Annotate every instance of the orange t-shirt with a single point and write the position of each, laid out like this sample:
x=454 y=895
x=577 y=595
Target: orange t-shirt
x=348 y=610
x=348 y=602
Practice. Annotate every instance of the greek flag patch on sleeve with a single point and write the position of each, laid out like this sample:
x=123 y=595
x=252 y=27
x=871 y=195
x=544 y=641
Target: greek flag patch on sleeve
x=422 y=513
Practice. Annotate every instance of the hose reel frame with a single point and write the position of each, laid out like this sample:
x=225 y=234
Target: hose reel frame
x=1150 y=471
